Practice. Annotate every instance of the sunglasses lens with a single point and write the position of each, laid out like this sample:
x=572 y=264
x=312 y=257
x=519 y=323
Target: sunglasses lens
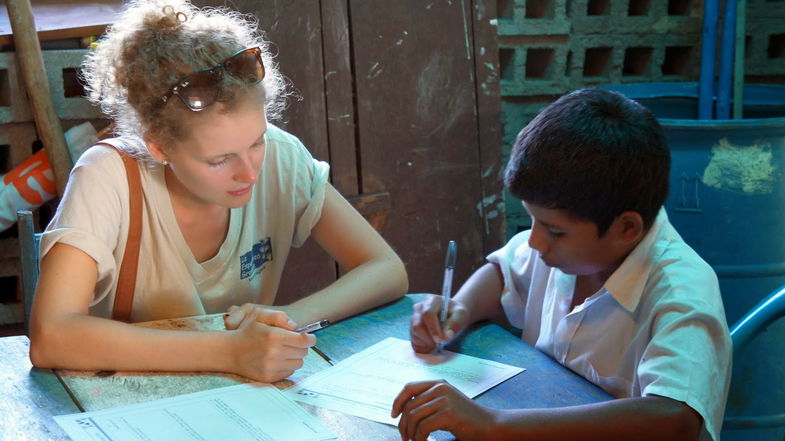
x=245 y=66
x=200 y=89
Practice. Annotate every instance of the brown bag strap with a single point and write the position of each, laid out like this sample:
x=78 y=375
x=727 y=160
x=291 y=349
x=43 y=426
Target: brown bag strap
x=126 y=282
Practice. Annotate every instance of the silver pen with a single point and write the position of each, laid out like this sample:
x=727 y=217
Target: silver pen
x=449 y=266
x=313 y=327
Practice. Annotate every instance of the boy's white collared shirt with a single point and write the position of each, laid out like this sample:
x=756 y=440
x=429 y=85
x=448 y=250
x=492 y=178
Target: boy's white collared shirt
x=657 y=326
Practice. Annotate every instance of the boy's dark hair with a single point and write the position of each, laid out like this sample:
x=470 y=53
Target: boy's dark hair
x=595 y=154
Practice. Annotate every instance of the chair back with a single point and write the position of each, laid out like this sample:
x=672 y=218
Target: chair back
x=28 y=253
x=742 y=333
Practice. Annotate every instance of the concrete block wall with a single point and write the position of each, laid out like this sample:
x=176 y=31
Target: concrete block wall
x=550 y=47
x=19 y=140
x=765 y=40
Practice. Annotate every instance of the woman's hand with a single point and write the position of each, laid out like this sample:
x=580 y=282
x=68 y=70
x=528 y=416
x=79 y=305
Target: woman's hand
x=425 y=330
x=428 y=406
x=272 y=316
x=265 y=348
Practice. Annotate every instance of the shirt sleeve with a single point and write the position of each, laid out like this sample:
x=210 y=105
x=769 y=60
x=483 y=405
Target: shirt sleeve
x=90 y=214
x=308 y=184
x=688 y=357
x=514 y=259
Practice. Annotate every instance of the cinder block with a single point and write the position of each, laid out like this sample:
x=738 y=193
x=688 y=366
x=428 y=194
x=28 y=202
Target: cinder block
x=533 y=17
x=601 y=59
x=16 y=108
x=59 y=64
x=633 y=17
x=19 y=139
x=549 y=48
x=765 y=9
x=765 y=48
x=536 y=69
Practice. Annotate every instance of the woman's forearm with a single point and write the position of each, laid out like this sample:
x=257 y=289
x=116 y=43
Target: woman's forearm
x=372 y=283
x=92 y=343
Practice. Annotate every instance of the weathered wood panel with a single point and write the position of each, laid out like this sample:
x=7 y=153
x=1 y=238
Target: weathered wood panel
x=402 y=98
x=295 y=27
x=417 y=129
x=486 y=64
x=339 y=95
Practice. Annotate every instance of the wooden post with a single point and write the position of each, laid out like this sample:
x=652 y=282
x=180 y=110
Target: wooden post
x=33 y=73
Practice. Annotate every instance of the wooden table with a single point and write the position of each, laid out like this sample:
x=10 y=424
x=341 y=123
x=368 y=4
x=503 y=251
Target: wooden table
x=32 y=396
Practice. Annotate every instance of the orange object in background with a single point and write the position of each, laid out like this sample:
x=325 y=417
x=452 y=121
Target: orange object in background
x=31 y=183
x=36 y=167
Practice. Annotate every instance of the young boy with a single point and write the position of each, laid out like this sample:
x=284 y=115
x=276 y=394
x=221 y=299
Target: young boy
x=602 y=283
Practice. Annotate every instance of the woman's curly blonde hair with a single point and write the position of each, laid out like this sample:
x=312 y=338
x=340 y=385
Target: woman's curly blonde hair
x=155 y=43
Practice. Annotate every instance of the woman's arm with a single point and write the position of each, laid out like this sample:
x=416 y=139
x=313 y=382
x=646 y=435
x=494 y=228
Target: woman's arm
x=63 y=335
x=374 y=273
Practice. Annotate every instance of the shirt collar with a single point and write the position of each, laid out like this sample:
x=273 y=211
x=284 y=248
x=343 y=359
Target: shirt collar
x=627 y=282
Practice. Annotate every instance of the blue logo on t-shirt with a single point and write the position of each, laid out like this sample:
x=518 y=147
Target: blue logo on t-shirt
x=252 y=262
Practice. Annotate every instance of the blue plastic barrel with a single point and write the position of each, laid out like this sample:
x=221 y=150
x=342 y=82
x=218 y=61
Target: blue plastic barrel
x=727 y=200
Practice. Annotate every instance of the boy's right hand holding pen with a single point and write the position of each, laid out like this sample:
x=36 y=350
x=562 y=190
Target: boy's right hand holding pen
x=426 y=331
x=438 y=318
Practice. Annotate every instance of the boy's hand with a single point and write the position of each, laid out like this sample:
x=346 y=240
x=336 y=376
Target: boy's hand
x=425 y=330
x=264 y=348
x=428 y=406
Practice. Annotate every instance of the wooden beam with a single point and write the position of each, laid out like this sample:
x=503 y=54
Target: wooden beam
x=33 y=74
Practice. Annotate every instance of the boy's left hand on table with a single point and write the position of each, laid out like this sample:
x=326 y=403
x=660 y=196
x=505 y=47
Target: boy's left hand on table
x=428 y=406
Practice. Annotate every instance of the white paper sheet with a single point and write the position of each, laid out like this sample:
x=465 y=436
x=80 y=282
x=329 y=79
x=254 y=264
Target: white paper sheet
x=245 y=412
x=366 y=383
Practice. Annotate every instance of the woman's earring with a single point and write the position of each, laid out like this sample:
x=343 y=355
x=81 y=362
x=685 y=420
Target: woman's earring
x=164 y=162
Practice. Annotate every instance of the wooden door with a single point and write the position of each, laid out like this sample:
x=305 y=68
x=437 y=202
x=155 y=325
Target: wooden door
x=401 y=97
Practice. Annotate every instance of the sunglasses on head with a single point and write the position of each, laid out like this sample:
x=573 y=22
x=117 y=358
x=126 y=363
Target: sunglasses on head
x=200 y=89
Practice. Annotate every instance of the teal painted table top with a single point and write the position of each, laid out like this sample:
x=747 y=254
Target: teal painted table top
x=30 y=397
x=544 y=384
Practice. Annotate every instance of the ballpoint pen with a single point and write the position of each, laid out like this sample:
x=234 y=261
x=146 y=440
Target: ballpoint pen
x=449 y=266
x=313 y=327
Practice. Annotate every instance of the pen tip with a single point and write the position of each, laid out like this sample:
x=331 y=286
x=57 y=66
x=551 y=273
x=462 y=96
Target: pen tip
x=452 y=251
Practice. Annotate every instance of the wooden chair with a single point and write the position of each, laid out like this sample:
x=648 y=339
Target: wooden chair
x=28 y=253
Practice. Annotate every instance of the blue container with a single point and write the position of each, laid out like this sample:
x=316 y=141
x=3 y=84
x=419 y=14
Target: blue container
x=727 y=200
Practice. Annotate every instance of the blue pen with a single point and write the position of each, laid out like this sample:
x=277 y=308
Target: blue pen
x=449 y=266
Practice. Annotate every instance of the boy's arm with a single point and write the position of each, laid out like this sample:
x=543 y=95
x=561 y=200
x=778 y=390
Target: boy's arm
x=429 y=406
x=481 y=294
x=478 y=299
x=639 y=418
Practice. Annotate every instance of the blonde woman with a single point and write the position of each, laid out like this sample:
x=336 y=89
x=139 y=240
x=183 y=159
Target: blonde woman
x=225 y=195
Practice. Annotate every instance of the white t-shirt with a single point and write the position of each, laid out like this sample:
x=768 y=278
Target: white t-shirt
x=94 y=217
x=657 y=327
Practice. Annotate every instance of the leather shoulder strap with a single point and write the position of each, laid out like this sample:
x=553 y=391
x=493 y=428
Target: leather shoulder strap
x=126 y=283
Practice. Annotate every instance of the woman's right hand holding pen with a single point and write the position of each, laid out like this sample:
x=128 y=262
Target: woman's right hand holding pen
x=426 y=331
x=264 y=345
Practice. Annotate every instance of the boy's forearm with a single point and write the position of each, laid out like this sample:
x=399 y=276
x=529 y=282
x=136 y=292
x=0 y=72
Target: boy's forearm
x=482 y=292
x=640 y=418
